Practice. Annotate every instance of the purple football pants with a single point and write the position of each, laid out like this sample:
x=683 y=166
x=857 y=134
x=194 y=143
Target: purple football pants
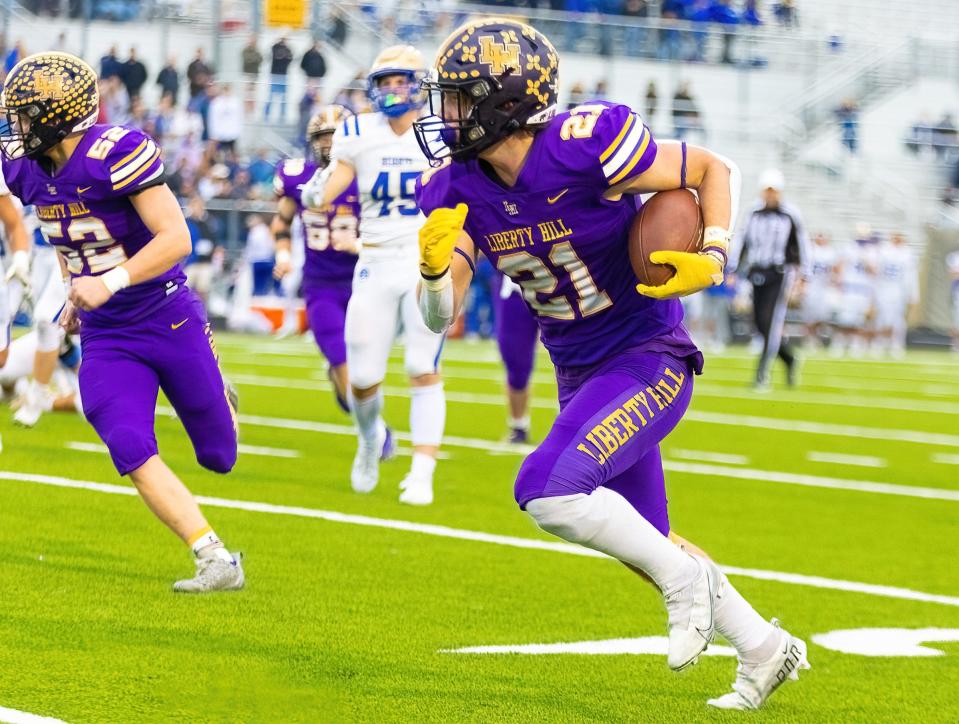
x=123 y=369
x=516 y=334
x=326 y=315
x=611 y=421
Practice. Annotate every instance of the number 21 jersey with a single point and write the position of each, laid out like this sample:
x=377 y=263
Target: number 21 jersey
x=85 y=211
x=387 y=167
x=563 y=242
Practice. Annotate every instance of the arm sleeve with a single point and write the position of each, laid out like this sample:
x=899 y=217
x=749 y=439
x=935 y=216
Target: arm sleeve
x=436 y=304
x=802 y=238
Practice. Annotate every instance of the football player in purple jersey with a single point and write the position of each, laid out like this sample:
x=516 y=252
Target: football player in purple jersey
x=549 y=198
x=99 y=191
x=331 y=244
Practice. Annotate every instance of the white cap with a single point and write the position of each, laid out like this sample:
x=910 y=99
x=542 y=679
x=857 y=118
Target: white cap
x=772 y=178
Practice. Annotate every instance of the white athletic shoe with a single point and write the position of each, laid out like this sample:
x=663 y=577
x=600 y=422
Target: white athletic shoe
x=691 y=621
x=752 y=688
x=366 y=465
x=417 y=490
x=36 y=401
x=214 y=574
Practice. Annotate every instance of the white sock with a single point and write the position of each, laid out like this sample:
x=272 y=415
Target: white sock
x=519 y=423
x=366 y=413
x=423 y=465
x=427 y=414
x=207 y=544
x=739 y=623
x=605 y=521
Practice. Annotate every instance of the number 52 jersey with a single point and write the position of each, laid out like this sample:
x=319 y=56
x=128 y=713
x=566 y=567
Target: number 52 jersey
x=387 y=167
x=85 y=212
x=563 y=242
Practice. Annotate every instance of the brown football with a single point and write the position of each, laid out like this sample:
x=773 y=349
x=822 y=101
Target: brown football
x=669 y=221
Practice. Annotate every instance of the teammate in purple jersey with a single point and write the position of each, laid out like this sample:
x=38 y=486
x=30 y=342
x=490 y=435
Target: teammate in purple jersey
x=517 y=335
x=550 y=199
x=331 y=245
x=100 y=192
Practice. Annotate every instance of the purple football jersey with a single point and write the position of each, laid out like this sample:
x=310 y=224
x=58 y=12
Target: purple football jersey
x=566 y=245
x=85 y=211
x=323 y=264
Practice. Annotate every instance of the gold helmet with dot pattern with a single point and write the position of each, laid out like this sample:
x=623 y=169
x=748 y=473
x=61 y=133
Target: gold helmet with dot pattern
x=46 y=97
x=491 y=77
x=324 y=122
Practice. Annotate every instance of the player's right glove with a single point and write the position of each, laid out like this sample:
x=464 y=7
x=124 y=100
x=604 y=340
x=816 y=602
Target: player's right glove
x=438 y=238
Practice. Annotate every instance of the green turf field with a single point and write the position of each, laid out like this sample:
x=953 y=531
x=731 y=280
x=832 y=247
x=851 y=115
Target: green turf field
x=350 y=616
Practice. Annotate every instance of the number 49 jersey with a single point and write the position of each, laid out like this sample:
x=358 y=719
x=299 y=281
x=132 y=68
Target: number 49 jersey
x=325 y=231
x=86 y=213
x=566 y=245
x=387 y=167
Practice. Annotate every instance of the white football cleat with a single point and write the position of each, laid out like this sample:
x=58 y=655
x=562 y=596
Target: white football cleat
x=691 y=620
x=417 y=490
x=753 y=687
x=35 y=401
x=366 y=465
x=214 y=574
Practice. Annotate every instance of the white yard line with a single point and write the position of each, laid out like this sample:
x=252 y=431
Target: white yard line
x=707 y=457
x=766 y=476
x=714 y=418
x=271 y=452
x=812 y=481
x=944 y=459
x=863 y=461
x=443 y=531
x=15 y=716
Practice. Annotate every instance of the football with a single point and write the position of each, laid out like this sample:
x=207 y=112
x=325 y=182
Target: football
x=669 y=221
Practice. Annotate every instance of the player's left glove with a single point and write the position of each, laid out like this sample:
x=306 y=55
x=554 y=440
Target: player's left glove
x=694 y=272
x=20 y=267
x=438 y=237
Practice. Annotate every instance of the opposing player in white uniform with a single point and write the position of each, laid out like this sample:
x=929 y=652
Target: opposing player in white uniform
x=857 y=272
x=15 y=375
x=897 y=289
x=48 y=295
x=18 y=265
x=819 y=290
x=380 y=151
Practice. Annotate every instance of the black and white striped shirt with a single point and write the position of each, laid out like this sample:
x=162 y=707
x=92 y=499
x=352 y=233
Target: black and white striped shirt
x=772 y=238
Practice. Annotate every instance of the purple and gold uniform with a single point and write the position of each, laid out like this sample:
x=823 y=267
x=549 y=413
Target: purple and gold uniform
x=147 y=337
x=327 y=271
x=624 y=362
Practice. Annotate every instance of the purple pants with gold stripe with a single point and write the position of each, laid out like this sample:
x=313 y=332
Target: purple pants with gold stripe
x=124 y=368
x=611 y=421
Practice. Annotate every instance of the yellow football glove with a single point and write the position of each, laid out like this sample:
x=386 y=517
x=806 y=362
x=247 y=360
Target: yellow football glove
x=438 y=237
x=694 y=271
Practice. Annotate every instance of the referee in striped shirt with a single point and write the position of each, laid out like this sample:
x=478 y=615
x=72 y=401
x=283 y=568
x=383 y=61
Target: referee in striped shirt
x=773 y=248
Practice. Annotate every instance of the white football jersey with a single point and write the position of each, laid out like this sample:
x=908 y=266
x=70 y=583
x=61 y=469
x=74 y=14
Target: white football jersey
x=387 y=166
x=822 y=264
x=897 y=271
x=858 y=268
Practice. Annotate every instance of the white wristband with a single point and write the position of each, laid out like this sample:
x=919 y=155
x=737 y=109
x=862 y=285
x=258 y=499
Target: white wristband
x=116 y=279
x=438 y=284
x=283 y=256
